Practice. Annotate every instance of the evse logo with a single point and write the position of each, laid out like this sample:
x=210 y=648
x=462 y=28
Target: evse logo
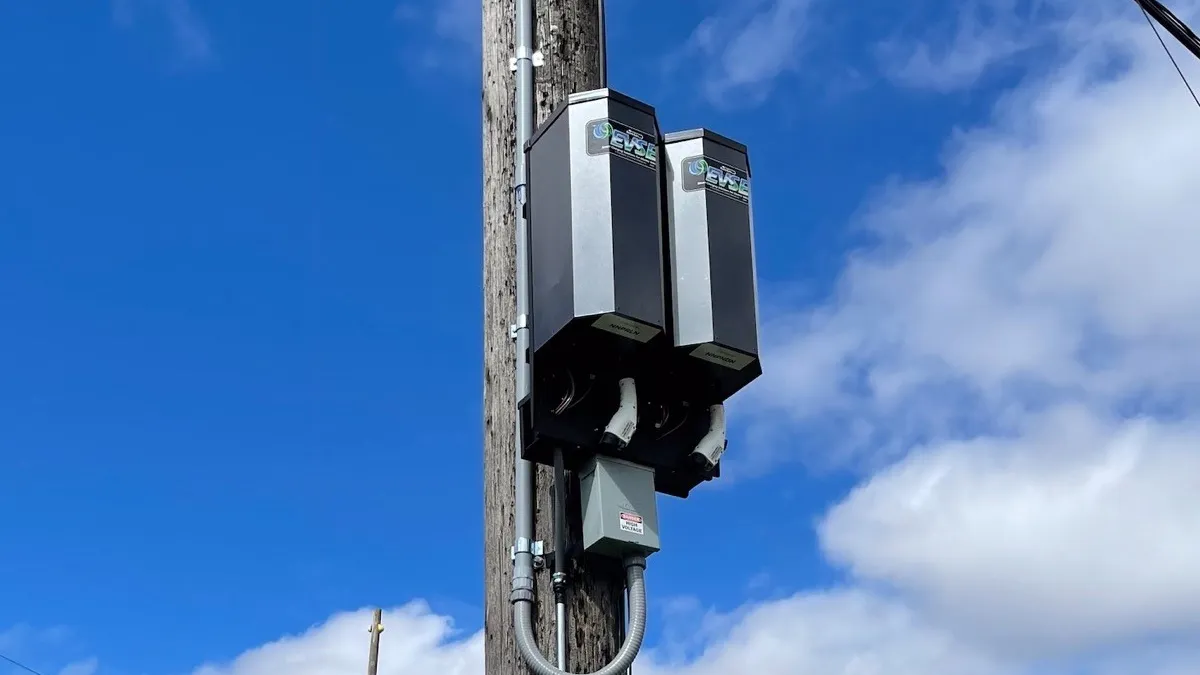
x=703 y=173
x=606 y=136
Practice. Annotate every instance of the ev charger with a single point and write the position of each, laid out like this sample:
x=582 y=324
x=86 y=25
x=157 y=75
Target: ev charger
x=712 y=278
x=596 y=273
x=620 y=515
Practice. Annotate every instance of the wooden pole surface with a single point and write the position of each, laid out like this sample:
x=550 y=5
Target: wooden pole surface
x=376 y=630
x=568 y=36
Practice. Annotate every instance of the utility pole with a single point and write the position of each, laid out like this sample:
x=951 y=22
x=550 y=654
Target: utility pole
x=375 y=630
x=569 y=35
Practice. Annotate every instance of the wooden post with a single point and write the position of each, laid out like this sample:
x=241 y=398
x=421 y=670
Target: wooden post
x=568 y=36
x=375 y=630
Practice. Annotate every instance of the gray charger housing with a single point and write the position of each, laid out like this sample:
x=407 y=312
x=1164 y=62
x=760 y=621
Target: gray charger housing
x=596 y=268
x=620 y=515
x=712 y=277
x=595 y=220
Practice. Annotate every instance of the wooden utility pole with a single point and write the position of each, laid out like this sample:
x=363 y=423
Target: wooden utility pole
x=568 y=36
x=375 y=630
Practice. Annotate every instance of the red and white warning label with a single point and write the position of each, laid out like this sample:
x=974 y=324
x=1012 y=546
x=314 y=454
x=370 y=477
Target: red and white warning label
x=632 y=523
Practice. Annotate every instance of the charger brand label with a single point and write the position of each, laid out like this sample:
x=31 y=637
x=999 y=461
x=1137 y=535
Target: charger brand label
x=703 y=173
x=612 y=137
x=632 y=523
x=619 y=325
x=722 y=356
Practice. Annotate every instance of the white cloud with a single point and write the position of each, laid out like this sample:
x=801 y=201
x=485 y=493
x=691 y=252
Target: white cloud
x=842 y=632
x=1019 y=347
x=1050 y=262
x=848 y=632
x=740 y=52
x=985 y=34
x=414 y=642
x=1074 y=533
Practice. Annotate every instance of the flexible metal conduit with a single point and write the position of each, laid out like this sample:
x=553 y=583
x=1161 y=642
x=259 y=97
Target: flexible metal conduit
x=635 y=580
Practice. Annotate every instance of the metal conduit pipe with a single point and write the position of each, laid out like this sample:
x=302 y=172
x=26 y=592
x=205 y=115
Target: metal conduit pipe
x=523 y=583
x=559 y=580
x=635 y=581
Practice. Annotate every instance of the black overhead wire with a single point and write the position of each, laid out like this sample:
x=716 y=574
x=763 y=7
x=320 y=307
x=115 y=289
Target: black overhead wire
x=1168 y=20
x=18 y=664
x=1155 y=11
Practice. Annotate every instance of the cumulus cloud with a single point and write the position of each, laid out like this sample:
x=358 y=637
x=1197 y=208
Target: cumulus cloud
x=1050 y=262
x=1076 y=532
x=415 y=641
x=850 y=632
x=1015 y=357
x=839 y=632
x=844 y=632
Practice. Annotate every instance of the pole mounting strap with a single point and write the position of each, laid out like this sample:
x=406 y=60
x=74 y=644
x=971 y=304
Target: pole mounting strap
x=521 y=324
x=536 y=57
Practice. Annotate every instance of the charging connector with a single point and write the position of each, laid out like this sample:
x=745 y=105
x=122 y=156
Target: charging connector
x=622 y=425
x=710 y=448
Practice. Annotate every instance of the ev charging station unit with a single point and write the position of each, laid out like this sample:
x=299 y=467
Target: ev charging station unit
x=637 y=303
x=643 y=316
x=643 y=290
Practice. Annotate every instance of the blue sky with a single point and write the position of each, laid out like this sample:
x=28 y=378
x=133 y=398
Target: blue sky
x=240 y=364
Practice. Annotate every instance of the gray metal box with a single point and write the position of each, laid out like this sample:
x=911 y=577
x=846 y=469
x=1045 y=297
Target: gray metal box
x=620 y=515
x=595 y=222
x=712 y=276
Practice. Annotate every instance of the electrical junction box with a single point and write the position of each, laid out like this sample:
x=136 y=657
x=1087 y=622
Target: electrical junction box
x=711 y=276
x=598 y=305
x=620 y=516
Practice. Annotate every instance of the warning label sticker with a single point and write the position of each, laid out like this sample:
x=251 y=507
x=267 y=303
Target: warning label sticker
x=632 y=523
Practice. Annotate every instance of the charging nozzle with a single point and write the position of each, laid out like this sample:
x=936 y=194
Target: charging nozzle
x=710 y=448
x=622 y=425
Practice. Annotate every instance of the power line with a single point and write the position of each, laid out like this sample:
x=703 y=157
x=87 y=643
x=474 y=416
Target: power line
x=1166 y=49
x=18 y=664
x=1178 y=29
